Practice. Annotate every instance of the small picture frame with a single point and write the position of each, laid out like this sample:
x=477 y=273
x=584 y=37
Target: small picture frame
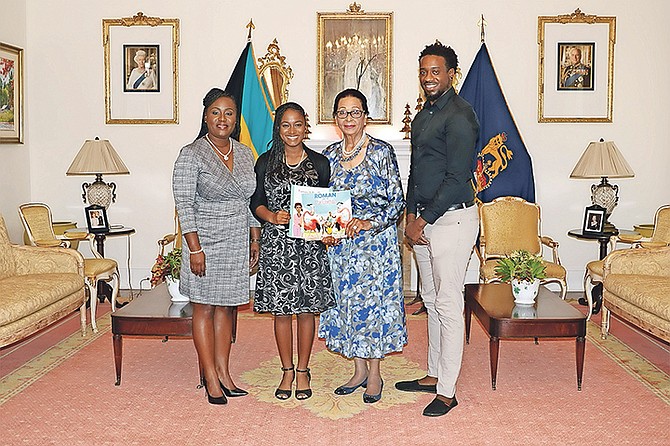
x=594 y=220
x=96 y=219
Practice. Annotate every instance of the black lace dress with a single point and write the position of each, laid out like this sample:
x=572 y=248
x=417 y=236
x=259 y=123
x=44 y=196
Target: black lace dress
x=294 y=275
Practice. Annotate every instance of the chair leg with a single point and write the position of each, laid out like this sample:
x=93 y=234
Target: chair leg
x=605 y=323
x=115 y=288
x=82 y=318
x=587 y=293
x=92 y=284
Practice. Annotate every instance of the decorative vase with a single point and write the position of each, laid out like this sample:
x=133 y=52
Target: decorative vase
x=525 y=292
x=173 y=289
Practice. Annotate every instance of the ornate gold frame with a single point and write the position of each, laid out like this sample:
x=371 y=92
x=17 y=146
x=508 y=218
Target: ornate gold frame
x=583 y=110
x=355 y=25
x=276 y=72
x=15 y=135
x=168 y=107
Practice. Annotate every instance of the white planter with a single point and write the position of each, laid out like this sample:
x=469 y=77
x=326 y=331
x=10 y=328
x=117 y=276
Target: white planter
x=525 y=292
x=173 y=289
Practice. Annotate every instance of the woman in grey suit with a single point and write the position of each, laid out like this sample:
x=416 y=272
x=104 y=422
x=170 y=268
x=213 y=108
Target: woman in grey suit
x=212 y=183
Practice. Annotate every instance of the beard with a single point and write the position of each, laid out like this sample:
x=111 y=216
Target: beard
x=434 y=95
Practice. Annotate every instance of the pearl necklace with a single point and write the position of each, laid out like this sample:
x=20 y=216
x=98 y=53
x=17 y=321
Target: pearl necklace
x=224 y=155
x=350 y=155
x=295 y=166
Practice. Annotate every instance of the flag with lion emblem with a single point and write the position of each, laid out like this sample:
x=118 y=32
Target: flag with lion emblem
x=503 y=165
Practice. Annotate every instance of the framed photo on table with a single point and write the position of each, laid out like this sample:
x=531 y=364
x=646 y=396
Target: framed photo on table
x=96 y=219
x=575 y=67
x=594 y=220
x=355 y=50
x=11 y=94
x=141 y=70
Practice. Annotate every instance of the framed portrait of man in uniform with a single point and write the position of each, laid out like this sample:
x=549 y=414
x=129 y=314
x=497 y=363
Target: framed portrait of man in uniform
x=576 y=68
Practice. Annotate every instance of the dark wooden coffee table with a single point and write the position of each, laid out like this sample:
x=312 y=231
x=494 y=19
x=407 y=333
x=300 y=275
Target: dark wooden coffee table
x=550 y=317
x=151 y=314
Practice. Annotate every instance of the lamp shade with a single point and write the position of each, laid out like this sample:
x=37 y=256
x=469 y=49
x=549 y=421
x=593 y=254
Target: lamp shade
x=600 y=160
x=97 y=157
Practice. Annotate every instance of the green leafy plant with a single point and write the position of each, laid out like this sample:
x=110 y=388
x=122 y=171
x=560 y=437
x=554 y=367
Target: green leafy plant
x=521 y=265
x=166 y=266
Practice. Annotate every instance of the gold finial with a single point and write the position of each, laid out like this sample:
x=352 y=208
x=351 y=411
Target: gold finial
x=482 y=23
x=355 y=8
x=251 y=26
x=407 y=120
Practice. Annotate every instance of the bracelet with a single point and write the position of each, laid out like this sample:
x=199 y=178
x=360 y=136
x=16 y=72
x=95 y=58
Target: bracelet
x=196 y=252
x=255 y=240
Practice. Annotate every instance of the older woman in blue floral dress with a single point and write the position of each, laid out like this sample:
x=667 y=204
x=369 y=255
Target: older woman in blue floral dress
x=368 y=321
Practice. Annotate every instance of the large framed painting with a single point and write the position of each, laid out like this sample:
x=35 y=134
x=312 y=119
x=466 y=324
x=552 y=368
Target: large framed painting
x=354 y=50
x=141 y=70
x=11 y=94
x=576 y=67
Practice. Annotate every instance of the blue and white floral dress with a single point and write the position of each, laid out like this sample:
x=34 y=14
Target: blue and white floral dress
x=368 y=320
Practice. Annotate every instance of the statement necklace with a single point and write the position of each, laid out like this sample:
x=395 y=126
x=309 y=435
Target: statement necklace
x=350 y=155
x=224 y=155
x=295 y=166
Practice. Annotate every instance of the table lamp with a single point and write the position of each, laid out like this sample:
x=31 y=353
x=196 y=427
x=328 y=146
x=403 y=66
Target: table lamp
x=98 y=157
x=603 y=160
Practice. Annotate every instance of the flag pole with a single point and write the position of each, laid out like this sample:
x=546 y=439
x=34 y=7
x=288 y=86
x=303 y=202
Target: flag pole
x=482 y=23
x=251 y=26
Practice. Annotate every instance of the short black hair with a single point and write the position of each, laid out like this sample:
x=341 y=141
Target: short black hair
x=353 y=93
x=446 y=52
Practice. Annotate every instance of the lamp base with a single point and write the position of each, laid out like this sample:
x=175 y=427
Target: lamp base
x=99 y=192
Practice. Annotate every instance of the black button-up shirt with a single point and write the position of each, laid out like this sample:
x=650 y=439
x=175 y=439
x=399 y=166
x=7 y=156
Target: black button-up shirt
x=443 y=151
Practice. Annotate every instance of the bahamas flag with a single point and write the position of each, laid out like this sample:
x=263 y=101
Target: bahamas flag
x=503 y=165
x=256 y=107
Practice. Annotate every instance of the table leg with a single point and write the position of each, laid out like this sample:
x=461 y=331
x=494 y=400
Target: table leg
x=494 y=344
x=468 y=321
x=579 y=350
x=118 y=357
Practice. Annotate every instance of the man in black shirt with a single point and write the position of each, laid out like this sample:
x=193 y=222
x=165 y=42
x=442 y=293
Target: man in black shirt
x=442 y=220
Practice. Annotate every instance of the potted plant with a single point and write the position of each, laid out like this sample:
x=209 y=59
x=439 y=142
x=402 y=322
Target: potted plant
x=524 y=271
x=167 y=269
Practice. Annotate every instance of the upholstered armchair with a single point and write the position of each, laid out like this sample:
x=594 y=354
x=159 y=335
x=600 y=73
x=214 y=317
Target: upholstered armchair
x=511 y=223
x=38 y=223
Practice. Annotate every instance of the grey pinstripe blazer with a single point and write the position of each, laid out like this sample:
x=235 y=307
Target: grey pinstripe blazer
x=214 y=202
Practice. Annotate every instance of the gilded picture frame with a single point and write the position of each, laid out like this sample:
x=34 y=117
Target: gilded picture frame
x=581 y=89
x=11 y=94
x=355 y=50
x=149 y=105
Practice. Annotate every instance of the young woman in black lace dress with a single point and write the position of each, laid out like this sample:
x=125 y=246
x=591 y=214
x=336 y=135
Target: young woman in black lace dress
x=294 y=275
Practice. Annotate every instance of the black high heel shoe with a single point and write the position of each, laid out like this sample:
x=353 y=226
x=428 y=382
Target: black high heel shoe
x=232 y=393
x=303 y=394
x=214 y=399
x=369 y=399
x=343 y=390
x=282 y=394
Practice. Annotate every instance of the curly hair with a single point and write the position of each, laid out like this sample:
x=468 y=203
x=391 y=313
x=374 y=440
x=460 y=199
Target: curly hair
x=211 y=96
x=276 y=144
x=446 y=52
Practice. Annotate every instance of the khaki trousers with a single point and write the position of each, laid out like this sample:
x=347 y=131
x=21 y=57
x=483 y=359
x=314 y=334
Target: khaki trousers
x=442 y=267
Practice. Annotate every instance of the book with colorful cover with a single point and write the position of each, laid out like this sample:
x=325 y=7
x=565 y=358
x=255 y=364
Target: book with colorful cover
x=317 y=212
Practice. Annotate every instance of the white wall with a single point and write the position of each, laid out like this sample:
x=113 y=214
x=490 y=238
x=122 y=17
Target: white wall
x=14 y=158
x=65 y=93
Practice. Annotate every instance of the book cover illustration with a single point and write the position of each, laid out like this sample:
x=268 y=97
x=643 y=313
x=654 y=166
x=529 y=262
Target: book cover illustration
x=317 y=212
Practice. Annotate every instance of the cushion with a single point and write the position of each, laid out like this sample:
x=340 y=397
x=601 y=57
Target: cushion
x=647 y=292
x=21 y=296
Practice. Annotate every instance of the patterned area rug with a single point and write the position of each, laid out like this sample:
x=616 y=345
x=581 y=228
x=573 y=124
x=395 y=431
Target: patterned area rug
x=70 y=390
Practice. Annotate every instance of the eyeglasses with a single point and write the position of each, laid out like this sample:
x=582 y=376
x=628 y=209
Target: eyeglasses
x=355 y=113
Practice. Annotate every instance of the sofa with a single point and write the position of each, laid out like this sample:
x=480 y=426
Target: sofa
x=38 y=286
x=636 y=288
